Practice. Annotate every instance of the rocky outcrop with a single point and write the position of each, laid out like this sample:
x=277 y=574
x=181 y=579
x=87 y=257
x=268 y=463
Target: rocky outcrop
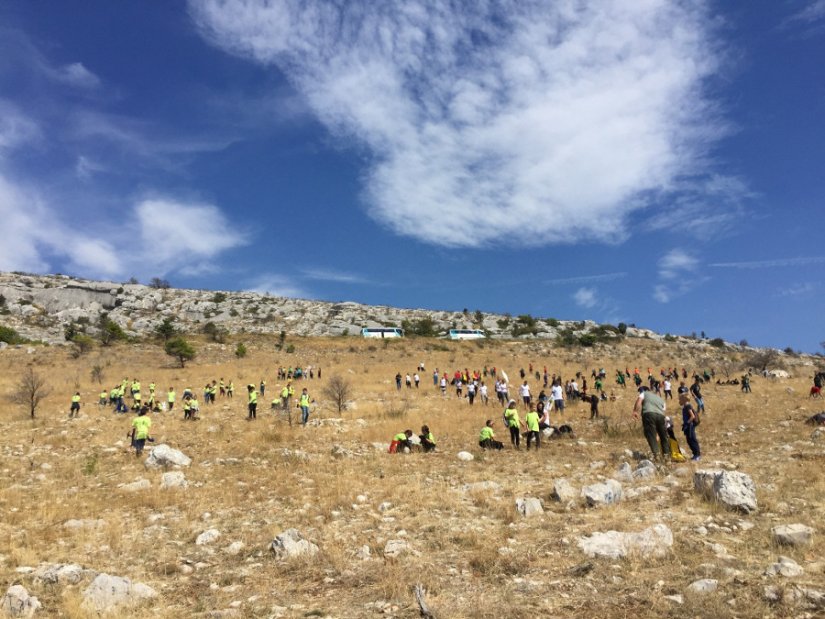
x=732 y=489
x=40 y=307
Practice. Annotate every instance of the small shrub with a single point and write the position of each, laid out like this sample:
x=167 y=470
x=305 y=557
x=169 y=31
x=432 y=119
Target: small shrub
x=219 y=297
x=717 y=342
x=9 y=335
x=290 y=349
x=181 y=349
x=240 y=350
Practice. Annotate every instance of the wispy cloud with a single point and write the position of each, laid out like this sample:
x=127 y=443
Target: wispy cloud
x=584 y=279
x=505 y=113
x=769 y=264
x=331 y=275
x=677 y=274
x=813 y=11
x=798 y=290
x=278 y=285
x=75 y=74
x=585 y=297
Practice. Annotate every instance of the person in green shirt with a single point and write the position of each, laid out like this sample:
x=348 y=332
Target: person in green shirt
x=103 y=398
x=427 y=439
x=140 y=431
x=74 y=410
x=532 y=420
x=230 y=389
x=487 y=438
x=187 y=408
x=194 y=408
x=400 y=441
x=252 y=403
x=514 y=423
x=653 y=421
x=170 y=398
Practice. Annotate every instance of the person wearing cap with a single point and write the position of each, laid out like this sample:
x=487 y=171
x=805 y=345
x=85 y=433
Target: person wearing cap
x=653 y=421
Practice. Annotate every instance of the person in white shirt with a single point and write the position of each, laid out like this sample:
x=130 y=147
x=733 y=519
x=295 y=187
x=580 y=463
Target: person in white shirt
x=482 y=391
x=668 y=392
x=471 y=392
x=524 y=392
x=557 y=395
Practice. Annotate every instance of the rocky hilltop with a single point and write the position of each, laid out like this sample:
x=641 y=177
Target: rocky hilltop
x=40 y=307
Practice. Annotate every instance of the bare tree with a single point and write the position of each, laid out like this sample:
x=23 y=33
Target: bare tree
x=339 y=390
x=30 y=391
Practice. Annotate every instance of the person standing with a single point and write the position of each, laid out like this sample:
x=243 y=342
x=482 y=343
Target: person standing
x=140 y=431
x=304 y=404
x=689 y=422
x=524 y=392
x=482 y=391
x=398 y=381
x=557 y=395
x=696 y=391
x=252 y=402
x=653 y=421
x=668 y=392
x=417 y=380
x=471 y=392
x=74 y=410
x=532 y=420
x=170 y=397
x=514 y=423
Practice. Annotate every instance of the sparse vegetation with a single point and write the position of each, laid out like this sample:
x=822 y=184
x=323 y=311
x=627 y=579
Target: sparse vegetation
x=30 y=392
x=166 y=330
x=215 y=333
x=110 y=331
x=219 y=297
x=339 y=390
x=159 y=284
x=9 y=336
x=180 y=349
x=422 y=327
x=240 y=350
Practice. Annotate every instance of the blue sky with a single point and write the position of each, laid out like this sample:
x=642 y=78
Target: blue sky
x=657 y=162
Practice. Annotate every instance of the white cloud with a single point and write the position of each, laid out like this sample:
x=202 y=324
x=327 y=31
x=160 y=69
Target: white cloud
x=797 y=290
x=15 y=127
x=678 y=270
x=812 y=12
x=85 y=167
x=75 y=74
x=564 y=115
x=277 y=285
x=331 y=275
x=767 y=264
x=585 y=297
x=604 y=277
x=177 y=234
x=675 y=263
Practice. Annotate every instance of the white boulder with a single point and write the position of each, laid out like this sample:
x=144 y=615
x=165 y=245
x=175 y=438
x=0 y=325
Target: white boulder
x=529 y=507
x=654 y=541
x=173 y=479
x=465 y=456
x=784 y=566
x=207 y=537
x=163 y=456
x=290 y=544
x=107 y=592
x=732 y=489
x=18 y=603
x=563 y=491
x=793 y=534
x=705 y=585
x=606 y=493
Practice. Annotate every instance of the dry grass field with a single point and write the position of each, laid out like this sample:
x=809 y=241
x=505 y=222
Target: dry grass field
x=469 y=548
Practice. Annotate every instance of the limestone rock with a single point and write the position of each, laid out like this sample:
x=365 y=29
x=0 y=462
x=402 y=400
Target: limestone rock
x=785 y=566
x=465 y=456
x=290 y=544
x=234 y=548
x=529 y=507
x=624 y=472
x=207 y=537
x=705 y=585
x=793 y=534
x=644 y=470
x=605 y=493
x=18 y=603
x=651 y=542
x=732 y=489
x=173 y=479
x=163 y=456
x=61 y=573
x=563 y=491
x=107 y=592
x=136 y=486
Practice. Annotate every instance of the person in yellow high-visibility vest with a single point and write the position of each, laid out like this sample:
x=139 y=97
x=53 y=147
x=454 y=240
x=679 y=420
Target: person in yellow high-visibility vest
x=304 y=404
x=253 y=402
x=74 y=411
x=170 y=397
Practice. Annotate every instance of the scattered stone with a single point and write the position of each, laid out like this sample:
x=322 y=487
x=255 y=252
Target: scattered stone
x=18 y=603
x=482 y=486
x=207 y=537
x=705 y=585
x=163 y=456
x=61 y=573
x=363 y=553
x=785 y=566
x=606 y=493
x=644 y=469
x=465 y=456
x=651 y=542
x=563 y=491
x=136 y=486
x=793 y=534
x=529 y=507
x=173 y=479
x=384 y=506
x=84 y=524
x=625 y=473
x=732 y=489
x=341 y=452
x=583 y=569
x=106 y=592
x=234 y=548
x=676 y=599
x=290 y=544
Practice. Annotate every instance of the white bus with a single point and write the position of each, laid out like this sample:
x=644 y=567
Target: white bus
x=466 y=334
x=382 y=332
